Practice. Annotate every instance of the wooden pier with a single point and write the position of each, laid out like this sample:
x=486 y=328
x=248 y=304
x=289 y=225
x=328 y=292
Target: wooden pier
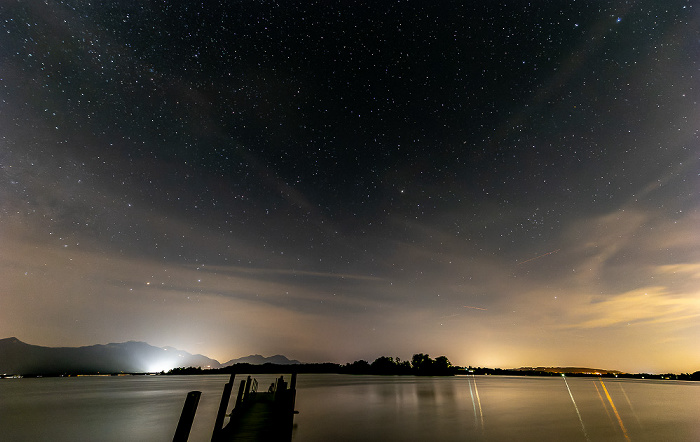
x=261 y=416
x=256 y=416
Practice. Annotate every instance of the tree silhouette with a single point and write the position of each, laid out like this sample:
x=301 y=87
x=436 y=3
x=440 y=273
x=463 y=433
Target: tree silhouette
x=422 y=364
x=442 y=366
x=384 y=365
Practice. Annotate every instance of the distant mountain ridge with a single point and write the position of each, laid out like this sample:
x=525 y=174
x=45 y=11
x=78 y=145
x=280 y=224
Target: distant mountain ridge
x=17 y=357
x=259 y=360
x=567 y=370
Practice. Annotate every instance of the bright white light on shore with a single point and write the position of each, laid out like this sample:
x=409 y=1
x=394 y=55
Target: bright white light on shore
x=157 y=368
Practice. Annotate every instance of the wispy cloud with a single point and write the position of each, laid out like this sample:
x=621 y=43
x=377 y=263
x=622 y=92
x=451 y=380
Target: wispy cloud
x=647 y=305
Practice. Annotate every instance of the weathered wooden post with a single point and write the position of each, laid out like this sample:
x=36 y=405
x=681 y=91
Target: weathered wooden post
x=239 y=398
x=293 y=391
x=182 y=433
x=225 y=396
x=287 y=409
x=248 y=383
x=281 y=391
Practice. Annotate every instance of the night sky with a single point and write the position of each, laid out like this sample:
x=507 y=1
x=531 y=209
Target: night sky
x=504 y=183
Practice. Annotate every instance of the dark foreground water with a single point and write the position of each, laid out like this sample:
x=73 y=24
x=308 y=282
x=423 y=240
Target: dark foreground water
x=362 y=408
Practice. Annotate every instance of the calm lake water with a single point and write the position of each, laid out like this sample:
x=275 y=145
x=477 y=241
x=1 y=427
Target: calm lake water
x=367 y=408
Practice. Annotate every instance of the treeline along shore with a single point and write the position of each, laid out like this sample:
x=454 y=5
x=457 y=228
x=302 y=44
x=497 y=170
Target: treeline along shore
x=422 y=365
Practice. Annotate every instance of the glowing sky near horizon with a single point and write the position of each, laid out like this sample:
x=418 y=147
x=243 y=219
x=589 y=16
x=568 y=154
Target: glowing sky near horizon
x=505 y=184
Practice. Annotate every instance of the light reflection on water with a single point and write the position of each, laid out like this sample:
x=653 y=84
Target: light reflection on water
x=495 y=408
x=349 y=408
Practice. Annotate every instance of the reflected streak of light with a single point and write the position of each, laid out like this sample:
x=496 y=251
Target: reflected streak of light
x=617 y=415
x=478 y=400
x=634 y=413
x=583 y=427
x=471 y=392
x=602 y=401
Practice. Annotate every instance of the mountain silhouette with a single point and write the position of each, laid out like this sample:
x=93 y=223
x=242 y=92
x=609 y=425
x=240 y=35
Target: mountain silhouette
x=17 y=357
x=259 y=360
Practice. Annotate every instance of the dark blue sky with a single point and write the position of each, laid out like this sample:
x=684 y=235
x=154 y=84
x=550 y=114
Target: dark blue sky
x=505 y=184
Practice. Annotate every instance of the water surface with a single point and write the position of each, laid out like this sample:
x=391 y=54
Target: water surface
x=368 y=408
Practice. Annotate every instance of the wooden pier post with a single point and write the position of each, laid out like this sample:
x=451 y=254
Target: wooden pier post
x=248 y=383
x=281 y=389
x=293 y=391
x=239 y=398
x=290 y=412
x=221 y=415
x=182 y=433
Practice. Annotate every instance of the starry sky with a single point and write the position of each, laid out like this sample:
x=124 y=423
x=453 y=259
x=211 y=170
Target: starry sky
x=504 y=183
